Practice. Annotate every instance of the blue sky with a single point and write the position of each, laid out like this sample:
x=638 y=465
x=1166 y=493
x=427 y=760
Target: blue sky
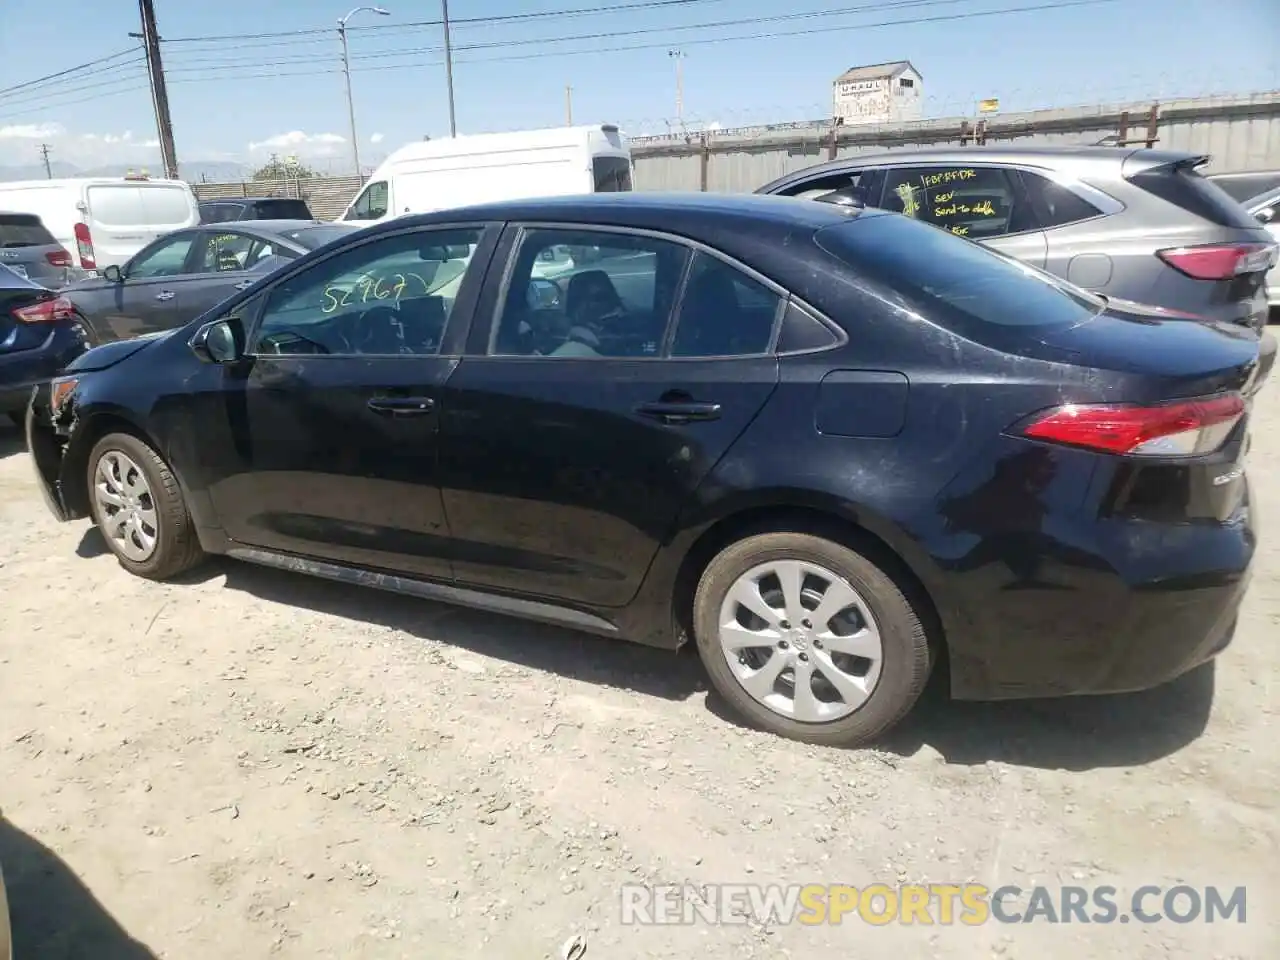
x=244 y=96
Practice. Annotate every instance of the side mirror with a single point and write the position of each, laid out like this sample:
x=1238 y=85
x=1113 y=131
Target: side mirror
x=543 y=294
x=112 y=274
x=1266 y=214
x=219 y=341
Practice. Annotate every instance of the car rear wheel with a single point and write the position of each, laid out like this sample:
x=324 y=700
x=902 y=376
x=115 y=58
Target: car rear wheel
x=809 y=639
x=137 y=504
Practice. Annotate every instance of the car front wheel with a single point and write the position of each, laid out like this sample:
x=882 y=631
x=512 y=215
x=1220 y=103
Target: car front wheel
x=138 y=506
x=809 y=639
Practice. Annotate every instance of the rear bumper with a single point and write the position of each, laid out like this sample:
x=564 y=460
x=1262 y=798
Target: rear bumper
x=1124 y=607
x=20 y=372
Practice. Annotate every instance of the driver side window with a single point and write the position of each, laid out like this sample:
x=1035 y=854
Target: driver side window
x=164 y=260
x=370 y=205
x=390 y=297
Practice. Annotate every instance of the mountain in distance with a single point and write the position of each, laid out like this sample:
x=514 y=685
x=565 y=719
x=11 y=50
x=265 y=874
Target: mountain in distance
x=196 y=171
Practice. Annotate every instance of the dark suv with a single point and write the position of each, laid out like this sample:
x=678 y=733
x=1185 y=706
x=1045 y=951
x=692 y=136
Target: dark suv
x=1131 y=223
x=254 y=208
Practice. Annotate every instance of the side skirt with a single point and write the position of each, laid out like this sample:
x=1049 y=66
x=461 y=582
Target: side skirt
x=460 y=596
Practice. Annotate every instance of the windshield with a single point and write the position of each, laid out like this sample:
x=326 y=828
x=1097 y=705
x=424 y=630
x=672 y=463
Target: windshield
x=23 y=230
x=310 y=238
x=282 y=210
x=959 y=283
x=1262 y=200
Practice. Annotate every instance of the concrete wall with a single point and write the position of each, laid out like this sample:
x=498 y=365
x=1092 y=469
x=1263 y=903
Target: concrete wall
x=1239 y=133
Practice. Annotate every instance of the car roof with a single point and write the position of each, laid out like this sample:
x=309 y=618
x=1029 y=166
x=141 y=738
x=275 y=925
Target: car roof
x=695 y=215
x=1044 y=156
x=268 y=228
x=213 y=200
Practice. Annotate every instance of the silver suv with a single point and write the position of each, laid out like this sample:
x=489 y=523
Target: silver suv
x=1124 y=222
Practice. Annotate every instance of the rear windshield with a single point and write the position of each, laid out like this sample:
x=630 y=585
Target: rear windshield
x=23 y=230
x=1186 y=189
x=281 y=210
x=313 y=237
x=1242 y=186
x=220 y=212
x=957 y=282
x=612 y=174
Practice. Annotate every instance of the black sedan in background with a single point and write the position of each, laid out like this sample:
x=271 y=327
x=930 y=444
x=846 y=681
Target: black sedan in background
x=183 y=274
x=39 y=335
x=827 y=445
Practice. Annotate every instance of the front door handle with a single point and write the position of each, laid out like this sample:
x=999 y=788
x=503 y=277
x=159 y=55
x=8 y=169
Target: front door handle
x=244 y=284
x=679 y=411
x=402 y=406
x=164 y=295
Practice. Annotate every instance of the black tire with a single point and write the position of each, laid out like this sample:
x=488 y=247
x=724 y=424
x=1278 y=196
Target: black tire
x=177 y=546
x=906 y=653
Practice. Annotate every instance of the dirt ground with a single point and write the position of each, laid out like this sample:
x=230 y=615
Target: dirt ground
x=254 y=764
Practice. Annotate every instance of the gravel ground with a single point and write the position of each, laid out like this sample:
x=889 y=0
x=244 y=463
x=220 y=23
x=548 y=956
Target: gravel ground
x=250 y=763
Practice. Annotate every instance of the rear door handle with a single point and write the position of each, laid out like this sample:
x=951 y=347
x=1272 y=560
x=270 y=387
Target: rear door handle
x=402 y=406
x=685 y=411
x=164 y=295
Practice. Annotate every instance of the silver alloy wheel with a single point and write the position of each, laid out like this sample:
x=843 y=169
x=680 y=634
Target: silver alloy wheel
x=126 y=506
x=801 y=640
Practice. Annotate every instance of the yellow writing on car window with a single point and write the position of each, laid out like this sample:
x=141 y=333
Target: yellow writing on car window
x=371 y=289
x=960 y=231
x=982 y=208
x=948 y=176
x=907 y=195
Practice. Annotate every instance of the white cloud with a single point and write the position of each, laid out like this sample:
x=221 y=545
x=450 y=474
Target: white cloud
x=376 y=138
x=19 y=144
x=297 y=143
x=30 y=131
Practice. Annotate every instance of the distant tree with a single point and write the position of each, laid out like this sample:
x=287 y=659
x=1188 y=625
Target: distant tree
x=287 y=168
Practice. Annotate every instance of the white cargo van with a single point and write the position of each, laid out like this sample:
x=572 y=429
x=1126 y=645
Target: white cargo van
x=104 y=221
x=439 y=174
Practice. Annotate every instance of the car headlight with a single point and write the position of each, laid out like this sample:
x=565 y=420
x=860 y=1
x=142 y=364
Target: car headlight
x=60 y=391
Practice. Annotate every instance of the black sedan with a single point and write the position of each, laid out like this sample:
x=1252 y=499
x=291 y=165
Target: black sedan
x=827 y=445
x=39 y=335
x=185 y=273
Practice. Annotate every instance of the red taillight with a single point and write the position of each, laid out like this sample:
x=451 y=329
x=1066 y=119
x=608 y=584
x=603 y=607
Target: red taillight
x=1180 y=429
x=58 y=258
x=59 y=308
x=84 y=247
x=1220 y=261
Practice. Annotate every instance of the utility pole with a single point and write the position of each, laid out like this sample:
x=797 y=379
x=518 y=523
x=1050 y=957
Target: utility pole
x=346 y=72
x=568 y=106
x=159 y=95
x=44 y=155
x=678 y=56
x=448 y=65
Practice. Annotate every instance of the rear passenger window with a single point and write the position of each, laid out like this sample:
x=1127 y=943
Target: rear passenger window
x=974 y=202
x=1058 y=205
x=723 y=313
x=853 y=184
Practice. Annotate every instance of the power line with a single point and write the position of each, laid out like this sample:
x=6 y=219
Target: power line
x=69 y=70
x=288 y=35
x=809 y=31
x=44 y=107
x=45 y=96
x=610 y=34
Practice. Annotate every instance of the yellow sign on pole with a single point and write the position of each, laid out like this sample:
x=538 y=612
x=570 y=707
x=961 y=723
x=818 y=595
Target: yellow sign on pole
x=989 y=106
